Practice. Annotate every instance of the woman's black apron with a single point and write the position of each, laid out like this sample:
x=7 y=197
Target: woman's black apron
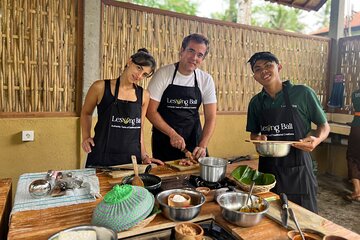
x=294 y=172
x=118 y=131
x=179 y=107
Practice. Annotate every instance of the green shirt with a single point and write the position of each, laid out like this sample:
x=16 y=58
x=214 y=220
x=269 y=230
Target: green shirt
x=355 y=98
x=302 y=98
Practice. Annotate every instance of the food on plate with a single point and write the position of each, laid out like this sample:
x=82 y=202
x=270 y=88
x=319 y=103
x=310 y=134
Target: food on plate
x=78 y=235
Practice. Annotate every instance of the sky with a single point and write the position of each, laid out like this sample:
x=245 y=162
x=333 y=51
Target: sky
x=206 y=7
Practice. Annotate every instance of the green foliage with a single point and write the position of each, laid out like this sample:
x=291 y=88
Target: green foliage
x=245 y=174
x=186 y=7
x=230 y=14
x=277 y=17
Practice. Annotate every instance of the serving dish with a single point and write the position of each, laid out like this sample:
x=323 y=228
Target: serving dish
x=102 y=233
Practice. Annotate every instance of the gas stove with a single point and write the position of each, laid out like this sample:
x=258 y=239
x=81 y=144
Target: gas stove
x=212 y=231
x=192 y=181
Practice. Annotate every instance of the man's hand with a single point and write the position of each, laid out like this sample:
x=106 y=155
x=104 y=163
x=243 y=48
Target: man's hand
x=177 y=141
x=199 y=152
x=307 y=144
x=87 y=144
x=150 y=160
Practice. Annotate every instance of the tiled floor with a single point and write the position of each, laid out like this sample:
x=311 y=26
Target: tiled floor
x=332 y=205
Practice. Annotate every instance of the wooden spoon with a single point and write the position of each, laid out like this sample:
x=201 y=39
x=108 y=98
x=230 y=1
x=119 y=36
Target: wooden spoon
x=136 y=180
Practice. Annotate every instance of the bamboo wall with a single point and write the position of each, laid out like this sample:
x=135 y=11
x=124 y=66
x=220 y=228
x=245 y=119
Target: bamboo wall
x=38 y=55
x=127 y=27
x=349 y=52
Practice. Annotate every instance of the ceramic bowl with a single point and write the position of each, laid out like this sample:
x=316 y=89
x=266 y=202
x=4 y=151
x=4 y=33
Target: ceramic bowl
x=188 y=230
x=173 y=203
x=333 y=237
x=309 y=234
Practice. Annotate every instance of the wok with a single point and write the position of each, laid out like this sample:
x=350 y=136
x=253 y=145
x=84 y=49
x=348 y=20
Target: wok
x=151 y=182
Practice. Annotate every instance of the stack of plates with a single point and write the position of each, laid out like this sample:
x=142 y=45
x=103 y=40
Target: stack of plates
x=123 y=207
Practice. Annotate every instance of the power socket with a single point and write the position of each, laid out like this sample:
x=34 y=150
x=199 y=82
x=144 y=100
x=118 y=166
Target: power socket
x=28 y=136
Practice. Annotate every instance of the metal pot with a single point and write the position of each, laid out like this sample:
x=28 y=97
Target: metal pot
x=212 y=169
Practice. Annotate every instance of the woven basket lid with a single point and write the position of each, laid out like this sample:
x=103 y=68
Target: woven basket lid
x=123 y=207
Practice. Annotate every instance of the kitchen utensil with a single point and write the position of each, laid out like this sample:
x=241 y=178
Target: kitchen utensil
x=230 y=203
x=284 y=209
x=188 y=230
x=212 y=169
x=241 y=158
x=292 y=214
x=102 y=233
x=180 y=213
x=39 y=188
x=136 y=181
x=273 y=148
x=151 y=182
x=245 y=207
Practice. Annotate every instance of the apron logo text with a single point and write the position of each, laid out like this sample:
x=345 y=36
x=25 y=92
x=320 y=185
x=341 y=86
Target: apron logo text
x=182 y=101
x=277 y=128
x=126 y=121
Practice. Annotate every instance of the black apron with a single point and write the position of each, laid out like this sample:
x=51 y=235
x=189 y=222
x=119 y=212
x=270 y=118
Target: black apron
x=179 y=107
x=294 y=172
x=118 y=131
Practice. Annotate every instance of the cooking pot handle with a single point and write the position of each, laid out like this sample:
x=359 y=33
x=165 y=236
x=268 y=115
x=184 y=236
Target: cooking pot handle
x=148 y=169
x=238 y=159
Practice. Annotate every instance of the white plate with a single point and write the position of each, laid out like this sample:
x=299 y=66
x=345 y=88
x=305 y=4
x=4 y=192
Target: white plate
x=102 y=233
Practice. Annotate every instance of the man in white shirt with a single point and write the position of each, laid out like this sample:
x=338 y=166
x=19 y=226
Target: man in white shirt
x=176 y=93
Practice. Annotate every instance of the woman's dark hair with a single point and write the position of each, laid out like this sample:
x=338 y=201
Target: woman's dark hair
x=198 y=38
x=143 y=58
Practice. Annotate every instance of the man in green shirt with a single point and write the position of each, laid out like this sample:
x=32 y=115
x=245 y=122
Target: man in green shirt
x=284 y=112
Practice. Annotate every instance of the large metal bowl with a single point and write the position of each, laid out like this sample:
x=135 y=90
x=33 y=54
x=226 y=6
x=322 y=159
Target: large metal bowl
x=231 y=202
x=180 y=213
x=273 y=149
x=212 y=169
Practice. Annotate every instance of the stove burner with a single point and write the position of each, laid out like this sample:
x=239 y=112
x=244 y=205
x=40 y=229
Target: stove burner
x=197 y=181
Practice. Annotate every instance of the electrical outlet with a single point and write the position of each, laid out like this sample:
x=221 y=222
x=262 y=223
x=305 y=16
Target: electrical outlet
x=28 y=136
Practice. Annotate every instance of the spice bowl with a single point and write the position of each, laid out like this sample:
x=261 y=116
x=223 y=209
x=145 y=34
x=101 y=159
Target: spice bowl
x=188 y=230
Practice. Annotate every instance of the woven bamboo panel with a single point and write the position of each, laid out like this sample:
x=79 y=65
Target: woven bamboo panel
x=126 y=29
x=349 y=52
x=38 y=69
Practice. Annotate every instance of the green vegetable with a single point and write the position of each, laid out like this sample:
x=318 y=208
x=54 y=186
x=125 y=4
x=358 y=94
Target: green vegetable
x=245 y=174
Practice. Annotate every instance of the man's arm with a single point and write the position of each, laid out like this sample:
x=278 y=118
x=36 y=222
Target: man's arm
x=309 y=143
x=155 y=118
x=208 y=130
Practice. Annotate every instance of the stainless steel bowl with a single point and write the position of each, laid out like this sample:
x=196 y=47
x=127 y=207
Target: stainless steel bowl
x=180 y=213
x=273 y=149
x=39 y=188
x=102 y=233
x=231 y=202
x=212 y=169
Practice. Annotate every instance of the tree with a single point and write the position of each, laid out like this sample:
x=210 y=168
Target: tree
x=186 y=7
x=277 y=17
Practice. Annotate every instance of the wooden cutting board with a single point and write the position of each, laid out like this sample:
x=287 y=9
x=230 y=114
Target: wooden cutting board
x=175 y=165
x=306 y=218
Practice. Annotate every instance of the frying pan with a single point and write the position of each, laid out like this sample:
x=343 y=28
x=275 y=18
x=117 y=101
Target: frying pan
x=151 y=182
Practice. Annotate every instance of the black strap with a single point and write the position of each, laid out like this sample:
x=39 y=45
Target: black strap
x=176 y=69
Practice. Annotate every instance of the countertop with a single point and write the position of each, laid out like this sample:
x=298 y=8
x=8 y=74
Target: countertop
x=5 y=205
x=40 y=224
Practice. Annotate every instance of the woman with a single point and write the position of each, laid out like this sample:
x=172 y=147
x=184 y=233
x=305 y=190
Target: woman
x=121 y=106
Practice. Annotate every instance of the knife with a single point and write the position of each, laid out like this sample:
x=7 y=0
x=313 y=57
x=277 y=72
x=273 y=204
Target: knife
x=284 y=209
x=189 y=155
